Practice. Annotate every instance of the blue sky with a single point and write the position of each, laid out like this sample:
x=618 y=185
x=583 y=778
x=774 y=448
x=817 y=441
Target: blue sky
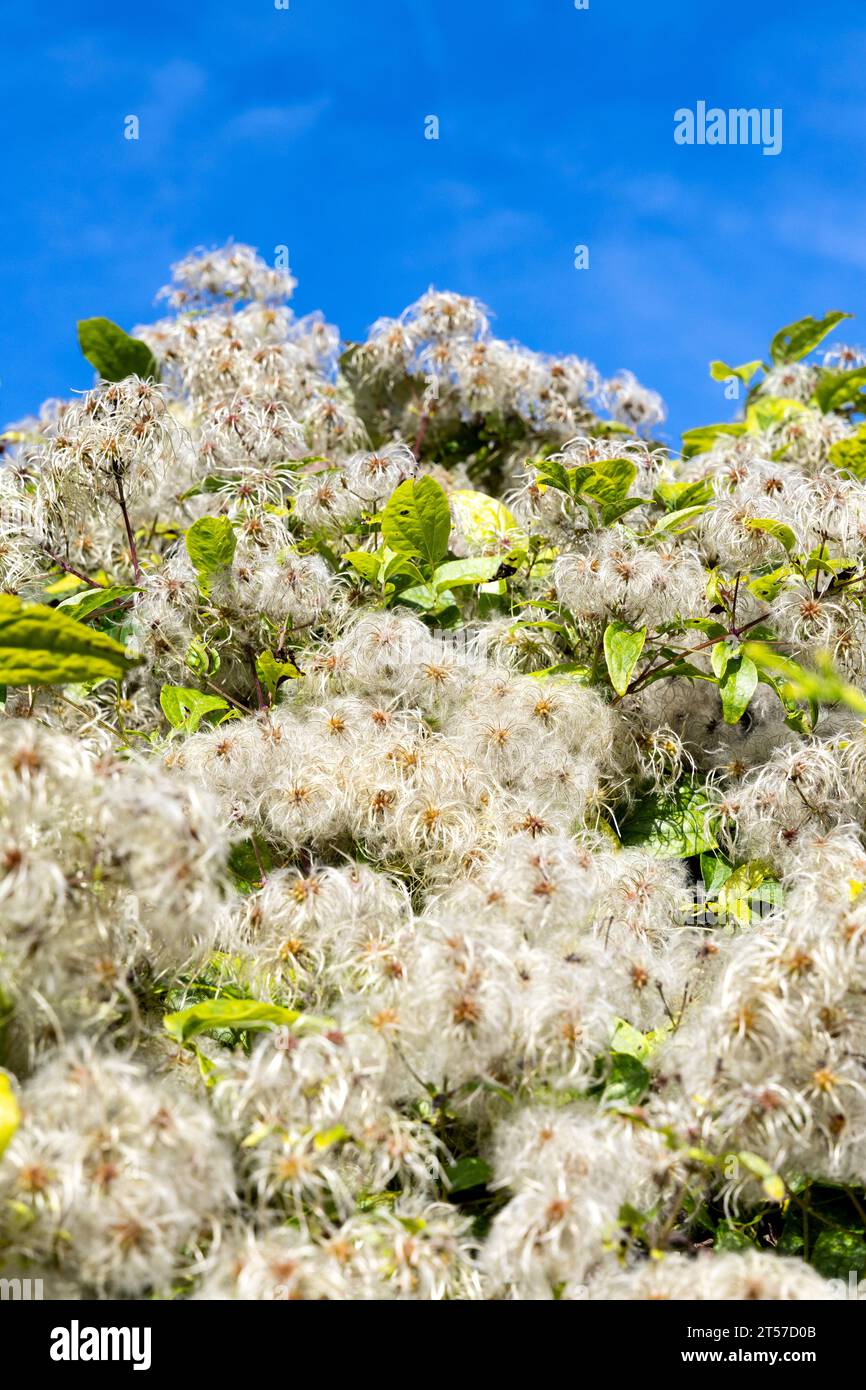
x=305 y=127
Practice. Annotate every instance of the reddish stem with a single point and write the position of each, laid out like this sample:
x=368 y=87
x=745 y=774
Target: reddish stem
x=136 y=569
x=70 y=569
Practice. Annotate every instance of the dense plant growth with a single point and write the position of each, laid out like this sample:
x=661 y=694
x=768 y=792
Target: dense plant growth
x=431 y=817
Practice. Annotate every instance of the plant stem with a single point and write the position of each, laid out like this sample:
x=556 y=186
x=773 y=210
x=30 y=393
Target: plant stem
x=856 y=1204
x=70 y=569
x=238 y=704
x=260 y=697
x=689 y=651
x=661 y=1239
x=419 y=438
x=136 y=568
x=258 y=856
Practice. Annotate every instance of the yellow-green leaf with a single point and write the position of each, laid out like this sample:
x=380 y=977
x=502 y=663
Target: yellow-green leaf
x=42 y=646
x=80 y=605
x=777 y=529
x=272 y=673
x=184 y=707
x=796 y=340
x=486 y=521
x=622 y=648
x=242 y=1014
x=824 y=686
x=838 y=389
x=767 y=411
x=210 y=543
x=702 y=439
x=10 y=1113
x=849 y=455
x=417 y=520
x=326 y=1138
x=720 y=371
x=476 y=569
x=738 y=679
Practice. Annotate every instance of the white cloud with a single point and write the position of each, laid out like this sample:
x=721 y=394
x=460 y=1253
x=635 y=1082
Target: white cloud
x=276 y=122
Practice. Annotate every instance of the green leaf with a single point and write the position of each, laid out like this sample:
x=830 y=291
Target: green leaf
x=824 y=686
x=42 y=646
x=738 y=678
x=766 y=411
x=674 y=826
x=714 y=871
x=627 y=1082
x=212 y=483
x=702 y=439
x=10 y=1113
x=210 y=544
x=424 y=596
x=630 y=1040
x=838 y=389
x=720 y=371
x=417 y=520
x=79 y=605
x=185 y=708
x=582 y=674
x=272 y=673
x=202 y=659
x=679 y=520
x=836 y=1253
x=727 y=1236
x=383 y=566
x=614 y=476
x=768 y=586
x=818 y=561
x=613 y=510
x=849 y=455
x=241 y=1014
x=551 y=473
x=675 y=496
x=622 y=648
x=579 y=482
x=485 y=520
x=396 y=566
x=367 y=563
x=798 y=339
x=777 y=529
x=632 y=1220
x=608 y=484
x=748 y=882
x=248 y=861
x=478 y=569
x=113 y=353
x=467 y=1173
